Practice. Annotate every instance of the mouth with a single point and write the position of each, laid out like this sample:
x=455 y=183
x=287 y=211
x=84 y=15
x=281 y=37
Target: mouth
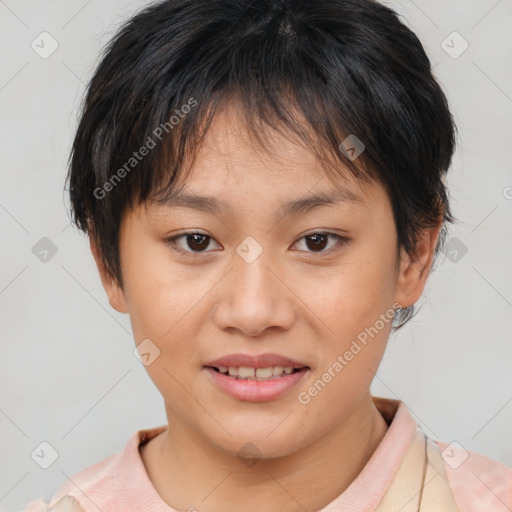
x=255 y=378
x=258 y=374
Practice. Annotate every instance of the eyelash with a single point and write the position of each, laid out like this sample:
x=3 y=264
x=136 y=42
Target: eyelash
x=172 y=241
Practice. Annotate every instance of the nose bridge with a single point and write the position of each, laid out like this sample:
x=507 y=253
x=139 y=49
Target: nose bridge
x=253 y=298
x=251 y=273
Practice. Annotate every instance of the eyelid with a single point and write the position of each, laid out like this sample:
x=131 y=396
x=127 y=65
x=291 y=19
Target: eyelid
x=341 y=241
x=172 y=241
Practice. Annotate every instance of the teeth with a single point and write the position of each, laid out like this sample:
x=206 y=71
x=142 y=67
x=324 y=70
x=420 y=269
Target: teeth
x=245 y=372
x=277 y=370
x=263 y=373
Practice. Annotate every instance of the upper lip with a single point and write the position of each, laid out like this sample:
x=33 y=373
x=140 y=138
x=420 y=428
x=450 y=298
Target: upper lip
x=259 y=361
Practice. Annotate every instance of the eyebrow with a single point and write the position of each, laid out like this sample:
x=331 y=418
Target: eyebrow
x=295 y=207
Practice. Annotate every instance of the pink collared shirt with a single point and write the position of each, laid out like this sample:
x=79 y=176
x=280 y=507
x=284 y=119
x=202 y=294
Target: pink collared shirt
x=119 y=483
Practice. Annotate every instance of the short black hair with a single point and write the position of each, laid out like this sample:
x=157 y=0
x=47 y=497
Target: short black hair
x=349 y=68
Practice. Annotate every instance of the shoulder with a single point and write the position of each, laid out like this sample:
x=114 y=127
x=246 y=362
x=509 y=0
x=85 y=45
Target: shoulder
x=478 y=482
x=98 y=484
x=65 y=504
x=87 y=482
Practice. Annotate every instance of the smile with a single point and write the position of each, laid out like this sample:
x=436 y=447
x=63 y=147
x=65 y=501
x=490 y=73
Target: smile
x=251 y=384
x=259 y=374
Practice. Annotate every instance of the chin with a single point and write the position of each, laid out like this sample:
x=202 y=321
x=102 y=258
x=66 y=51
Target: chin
x=252 y=442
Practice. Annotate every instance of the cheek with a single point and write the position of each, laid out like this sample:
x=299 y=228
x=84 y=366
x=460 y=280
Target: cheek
x=353 y=294
x=160 y=296
x=162 y=302
x=355 y=301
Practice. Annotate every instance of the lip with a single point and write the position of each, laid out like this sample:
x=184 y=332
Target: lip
x=256 y=390
x=259 y=361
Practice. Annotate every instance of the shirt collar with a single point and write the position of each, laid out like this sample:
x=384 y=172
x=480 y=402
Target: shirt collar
x=363 y=494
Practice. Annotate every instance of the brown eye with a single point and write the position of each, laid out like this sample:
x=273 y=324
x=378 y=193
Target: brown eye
x=197 y=241
x=316 y=242
x=193 y=242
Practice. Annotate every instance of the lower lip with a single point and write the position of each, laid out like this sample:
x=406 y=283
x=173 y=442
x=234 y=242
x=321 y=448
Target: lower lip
x=256 y=390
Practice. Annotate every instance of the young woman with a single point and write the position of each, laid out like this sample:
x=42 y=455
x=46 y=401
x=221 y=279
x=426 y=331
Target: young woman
x=263 y=187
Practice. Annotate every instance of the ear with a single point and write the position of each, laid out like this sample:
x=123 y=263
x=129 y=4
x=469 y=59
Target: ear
x=115 y=293
x=413 y=272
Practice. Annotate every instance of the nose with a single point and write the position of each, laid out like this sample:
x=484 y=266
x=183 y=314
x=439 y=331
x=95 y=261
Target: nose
x=255 y=296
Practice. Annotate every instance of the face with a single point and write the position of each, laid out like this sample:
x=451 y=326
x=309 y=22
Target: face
x=306 y=290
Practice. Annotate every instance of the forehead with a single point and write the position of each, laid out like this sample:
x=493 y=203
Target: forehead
x=232 y=159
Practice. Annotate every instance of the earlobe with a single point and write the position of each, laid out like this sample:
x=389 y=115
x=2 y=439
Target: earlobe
x=414 y=272
x=114 y=292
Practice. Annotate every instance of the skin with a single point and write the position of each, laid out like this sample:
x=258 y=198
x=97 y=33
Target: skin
x=305 y=303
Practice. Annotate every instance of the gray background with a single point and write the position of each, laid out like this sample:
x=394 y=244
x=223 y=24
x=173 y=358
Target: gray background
x=68 y=375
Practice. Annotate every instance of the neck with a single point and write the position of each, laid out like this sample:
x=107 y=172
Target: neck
x=188 y=471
